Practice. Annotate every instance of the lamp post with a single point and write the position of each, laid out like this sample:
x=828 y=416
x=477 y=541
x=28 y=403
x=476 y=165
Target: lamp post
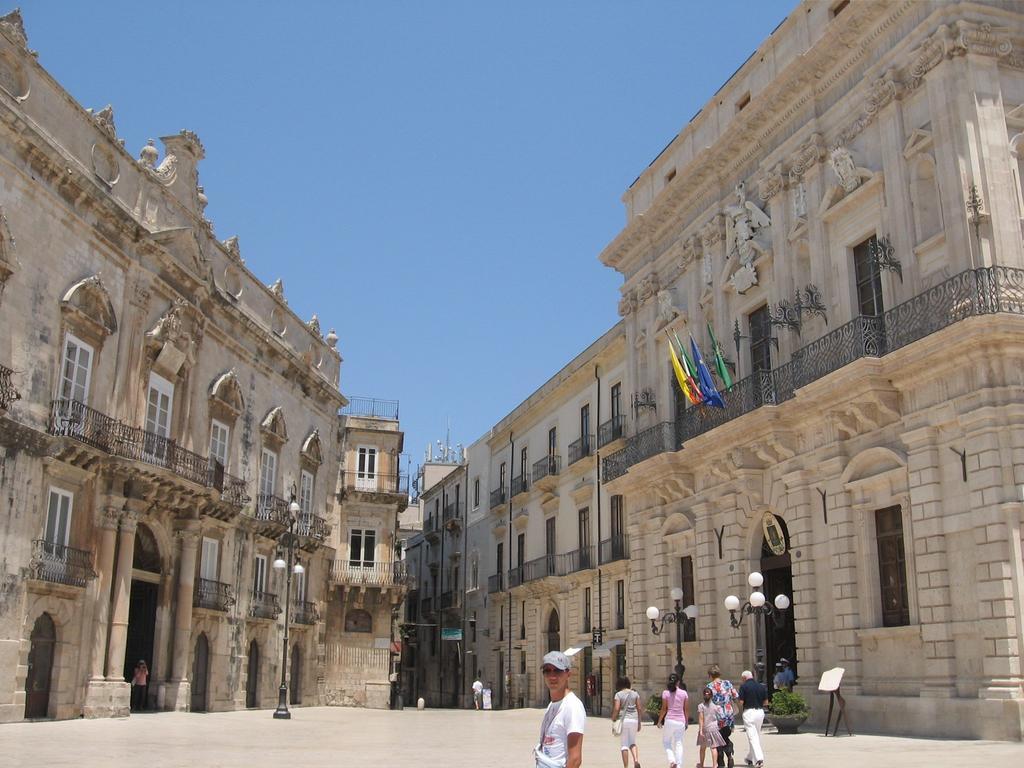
x=757 y=605
x=288 y=542
x=676 y=616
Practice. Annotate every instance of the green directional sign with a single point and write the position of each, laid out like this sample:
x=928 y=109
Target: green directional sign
x=451 y=633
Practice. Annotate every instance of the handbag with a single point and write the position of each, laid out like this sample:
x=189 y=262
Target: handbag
x=617 y=727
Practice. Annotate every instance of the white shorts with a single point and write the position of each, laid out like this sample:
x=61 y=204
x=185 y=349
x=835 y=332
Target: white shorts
x=628 y=737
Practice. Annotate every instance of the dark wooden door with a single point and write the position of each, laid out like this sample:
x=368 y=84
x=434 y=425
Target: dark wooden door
x=200 y=673
x=252 y=681
x=296 y=681
x=141 y=627
x=40 y=668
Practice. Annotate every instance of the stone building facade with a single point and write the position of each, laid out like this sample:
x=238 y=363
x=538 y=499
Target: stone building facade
x=845 y=217
x=167 y=425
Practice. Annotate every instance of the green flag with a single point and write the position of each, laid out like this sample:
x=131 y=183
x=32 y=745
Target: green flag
x=720 y=366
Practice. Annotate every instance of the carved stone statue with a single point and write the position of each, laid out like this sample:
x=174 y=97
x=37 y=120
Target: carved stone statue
x=667 y=310
x=747 y=228
x=845 y=168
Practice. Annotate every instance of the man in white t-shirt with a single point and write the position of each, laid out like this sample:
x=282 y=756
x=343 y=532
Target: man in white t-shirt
x=561 y=731
x=478 y=692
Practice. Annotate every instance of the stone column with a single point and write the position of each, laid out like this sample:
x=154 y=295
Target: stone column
x=122 y=593
x=98 y=700
x=178 y=689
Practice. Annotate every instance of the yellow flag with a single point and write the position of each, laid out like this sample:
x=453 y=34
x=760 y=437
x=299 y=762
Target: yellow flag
x=684 y=384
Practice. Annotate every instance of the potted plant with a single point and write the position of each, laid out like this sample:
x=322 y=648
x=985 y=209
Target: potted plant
x=788 y=711
x=653 y=707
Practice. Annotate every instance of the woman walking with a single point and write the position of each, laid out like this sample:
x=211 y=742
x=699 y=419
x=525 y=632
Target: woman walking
x=625 y=706
x=708 y=736
x=674 y=711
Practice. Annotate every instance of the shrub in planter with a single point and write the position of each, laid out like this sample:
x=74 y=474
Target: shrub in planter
x=653 y=707
x=788 y=711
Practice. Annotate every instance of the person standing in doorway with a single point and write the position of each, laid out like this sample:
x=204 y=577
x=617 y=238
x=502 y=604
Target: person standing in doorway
x=673 y=715
x=478 y=692
x=140 y=683
x=626 y=701
x=754 y=696
x=565 y=719
x=723 y=693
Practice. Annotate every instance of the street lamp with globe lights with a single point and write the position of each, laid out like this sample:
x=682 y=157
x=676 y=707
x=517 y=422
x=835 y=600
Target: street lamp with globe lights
x=287 y=541
x=757 y=604
x=676 y=616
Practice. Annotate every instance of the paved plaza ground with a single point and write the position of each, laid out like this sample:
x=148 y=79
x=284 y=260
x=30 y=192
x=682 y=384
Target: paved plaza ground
x=342 y=737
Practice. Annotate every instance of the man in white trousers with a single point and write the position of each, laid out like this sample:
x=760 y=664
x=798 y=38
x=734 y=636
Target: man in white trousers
x=754 y=698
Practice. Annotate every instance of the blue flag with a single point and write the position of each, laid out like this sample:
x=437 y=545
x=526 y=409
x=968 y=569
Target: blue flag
x=704 y=380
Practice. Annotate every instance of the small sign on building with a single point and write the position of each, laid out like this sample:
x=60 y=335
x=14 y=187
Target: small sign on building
x=451 y=633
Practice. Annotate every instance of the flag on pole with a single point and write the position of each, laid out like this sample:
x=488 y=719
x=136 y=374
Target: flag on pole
x=689 y=369
x=722 y=368
x=681 y=378
x=707 y=385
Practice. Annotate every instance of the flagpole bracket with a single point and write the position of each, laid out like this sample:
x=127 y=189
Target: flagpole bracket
x=643 y=400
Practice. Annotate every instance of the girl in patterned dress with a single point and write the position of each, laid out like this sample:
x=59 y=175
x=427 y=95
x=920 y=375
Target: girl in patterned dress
x=707 y=735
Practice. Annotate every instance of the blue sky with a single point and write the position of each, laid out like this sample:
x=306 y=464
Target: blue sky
x=434 y=179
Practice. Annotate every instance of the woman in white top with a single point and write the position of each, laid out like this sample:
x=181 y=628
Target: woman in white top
x=626 y=701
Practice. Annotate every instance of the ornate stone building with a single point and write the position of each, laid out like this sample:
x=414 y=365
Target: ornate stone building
x=845 y=217
x=167 y=426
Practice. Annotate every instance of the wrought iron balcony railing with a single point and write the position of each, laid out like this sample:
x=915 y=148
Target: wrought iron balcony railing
x=375 y=482
x=581 y=559
x=498 y=497
x=549 y=466
x=496 y=583
x=615 y=548
x=610 y=431
x=272 y=509
x=372 y=407
x=59 y=564
x=70 y=418
x=520 y=484
x=450 y=599
x=212 y=595
x=312 y=526
x=264 y=605
x=541 y=568
x=452 y=512
x=515 y=577
x=304 y=612
x=581 y=448
x=8 y=394
x=347 y=573
x=972 y=293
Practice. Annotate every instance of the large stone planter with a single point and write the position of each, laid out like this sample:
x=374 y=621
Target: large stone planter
x=787 y=723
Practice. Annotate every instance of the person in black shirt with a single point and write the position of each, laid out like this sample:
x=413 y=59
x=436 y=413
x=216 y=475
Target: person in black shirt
x=754 y=697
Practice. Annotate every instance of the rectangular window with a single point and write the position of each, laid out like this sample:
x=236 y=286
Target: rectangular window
x=616 y=518
x=584 y=537
x=521 y=551
x=259 y=575
x=868 y=278
x=366 y=468
x=549 y=537
x=268 y=472
x=586 y=609
x=523 y=464
x=362 y=544
x=689 y=597
x=553 y=441
x=616 y=402
x=620 y=604
x=458 y=494
x=620 y=661
x=585 y=428
x=522 y=661
x=501 y=476
x=760 y=340
x=472 y=628
x=300 y=585
x=306 y=492
x=75 y=370
x=209 y=565
x=158 y=405
x=892 y=566
x=500 y=560
x=219 y=434
x=522 y=622
x=58 y=521
x=476 y=492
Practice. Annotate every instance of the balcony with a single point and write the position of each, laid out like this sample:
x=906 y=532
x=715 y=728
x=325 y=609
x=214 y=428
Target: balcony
x=354 y=481
x=498 y=497
x=520 y=484
x=264 y=605
x=496 y=583
x=450 y=600
x=304 y=612
x=371 y=407
x=610 y=431
x=312 y=527
x=58 y=564
x=581 y=448
x=615 y=548
x=75 y=420
x=272 y=511
x=972 y=293
x=212 y=595
x=452 y=515
x=581 y=559
x=541 y=568
x=515 y=577
x=349 y=574
x=8 y=394
x=546 y=471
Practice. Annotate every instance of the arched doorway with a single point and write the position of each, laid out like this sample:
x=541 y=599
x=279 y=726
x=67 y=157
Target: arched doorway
x=40 y=668
x=780 y=634
x=142 y=606
x=200 y=673
x=554 y=629
x=296 y=681
x=252 y=679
